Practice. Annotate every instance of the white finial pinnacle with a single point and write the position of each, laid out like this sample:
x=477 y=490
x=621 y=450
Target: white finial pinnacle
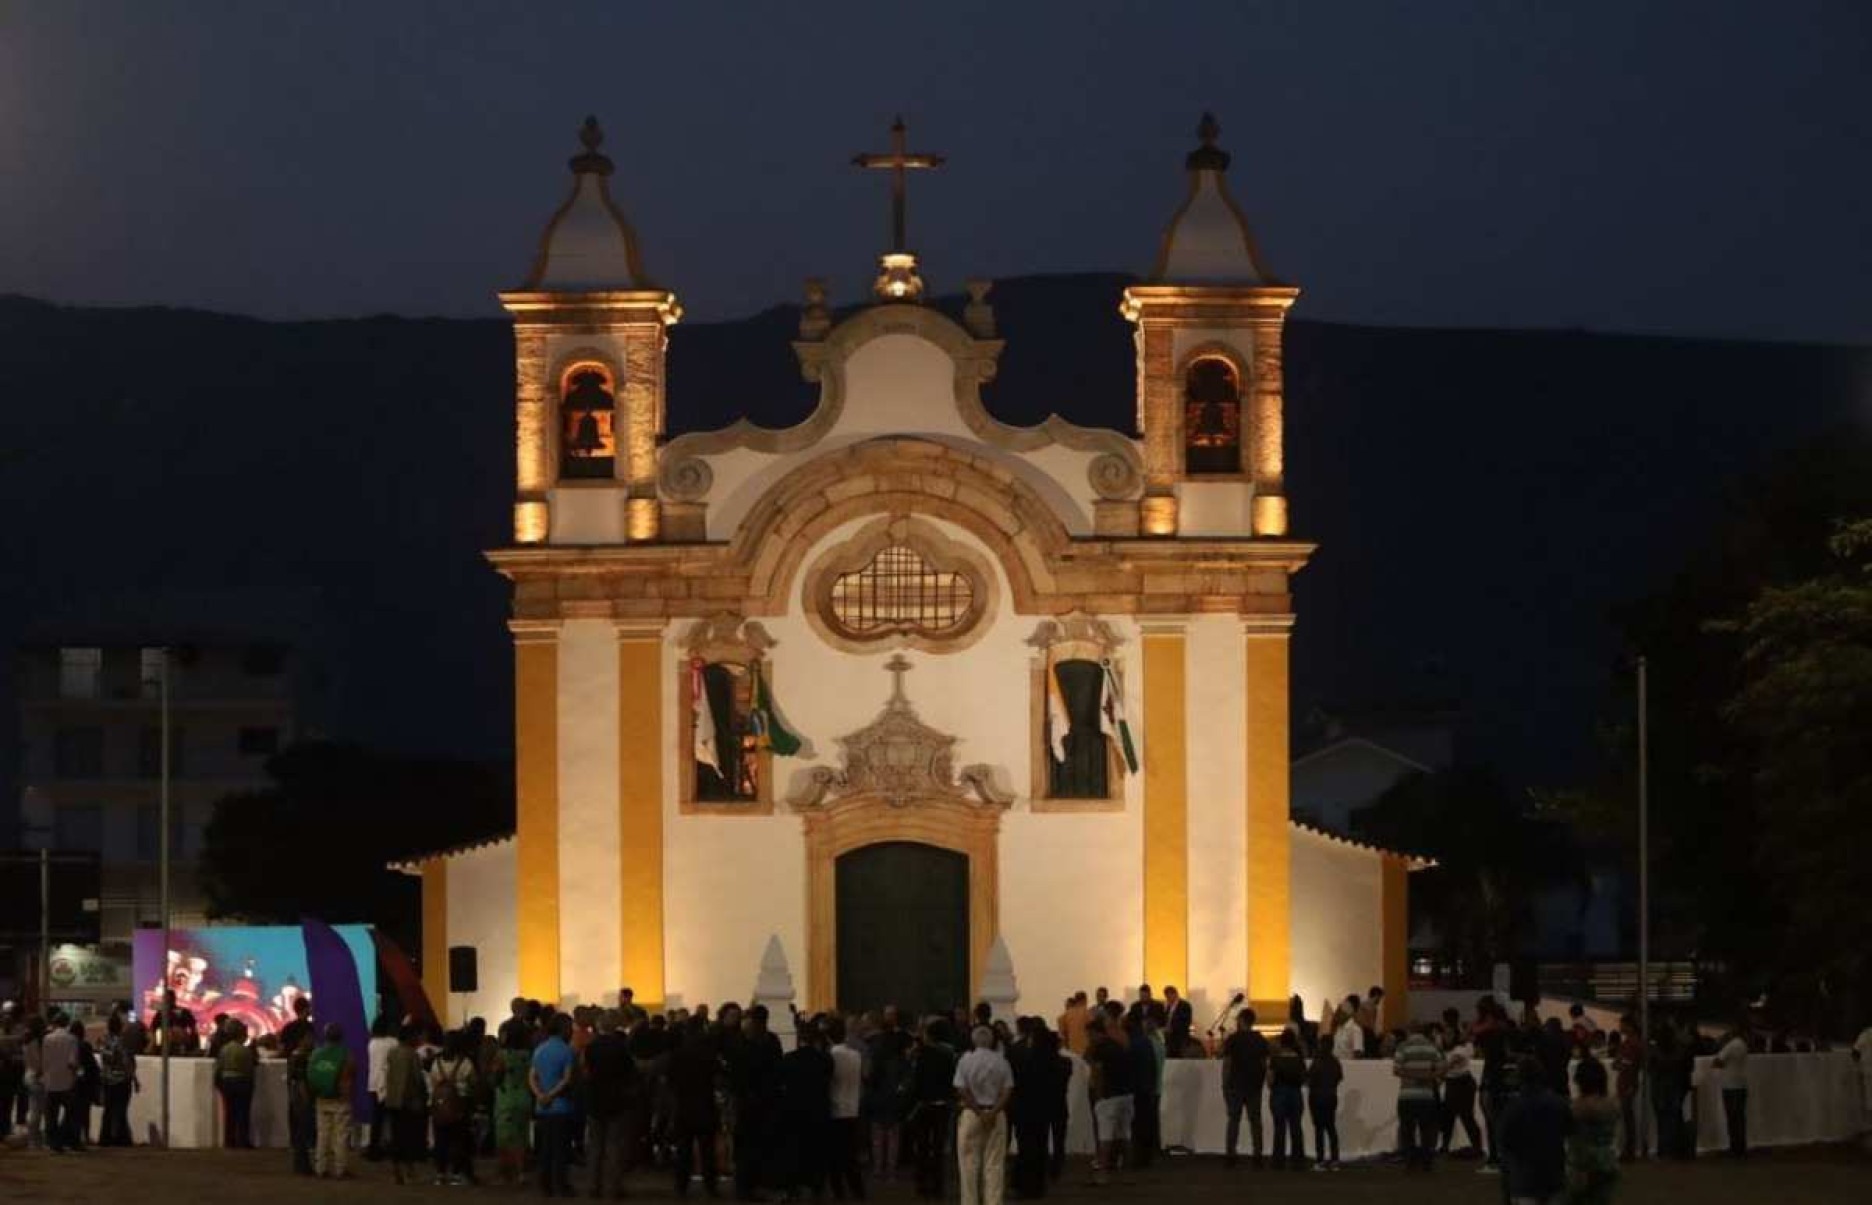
x=999 y=987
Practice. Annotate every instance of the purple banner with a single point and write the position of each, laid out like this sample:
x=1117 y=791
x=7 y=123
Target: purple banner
x=340 y=999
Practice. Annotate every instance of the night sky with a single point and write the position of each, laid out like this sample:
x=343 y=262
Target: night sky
x=1689 y=168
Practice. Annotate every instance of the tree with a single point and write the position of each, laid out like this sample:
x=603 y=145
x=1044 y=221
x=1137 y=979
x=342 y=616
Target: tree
x=1803 y=709
x=1728 y=696
x=1494 y=854
x=316 y=842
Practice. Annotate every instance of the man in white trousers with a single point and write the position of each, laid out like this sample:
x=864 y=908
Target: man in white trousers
x=984 y=1084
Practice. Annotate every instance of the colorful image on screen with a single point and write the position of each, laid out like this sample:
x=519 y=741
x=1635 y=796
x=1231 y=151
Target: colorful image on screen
x=250 y=973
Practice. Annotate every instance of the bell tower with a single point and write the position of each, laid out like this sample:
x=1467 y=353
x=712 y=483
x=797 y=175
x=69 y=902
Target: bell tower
x=589 y=340
x=1209 y=390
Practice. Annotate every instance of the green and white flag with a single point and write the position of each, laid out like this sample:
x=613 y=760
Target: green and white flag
x=1112 y=720
x=769 y=731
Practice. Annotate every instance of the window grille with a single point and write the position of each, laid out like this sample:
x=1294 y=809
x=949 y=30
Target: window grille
x=899 y=589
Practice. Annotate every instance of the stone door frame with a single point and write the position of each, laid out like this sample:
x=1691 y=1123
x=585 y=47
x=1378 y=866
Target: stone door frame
x=837 y=828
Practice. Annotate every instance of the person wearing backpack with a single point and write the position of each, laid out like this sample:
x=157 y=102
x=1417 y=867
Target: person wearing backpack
x=452 y=1087
x=329 y=1076
x=117 y=1077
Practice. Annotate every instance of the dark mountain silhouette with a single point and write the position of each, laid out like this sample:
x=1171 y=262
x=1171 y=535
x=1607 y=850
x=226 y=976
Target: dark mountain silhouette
x=1482 y=498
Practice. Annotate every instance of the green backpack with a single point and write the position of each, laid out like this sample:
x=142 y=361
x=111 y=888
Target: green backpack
x=324 y=1069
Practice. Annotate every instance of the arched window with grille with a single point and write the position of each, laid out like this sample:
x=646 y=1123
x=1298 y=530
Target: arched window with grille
x=898 y=590
x=900 y=582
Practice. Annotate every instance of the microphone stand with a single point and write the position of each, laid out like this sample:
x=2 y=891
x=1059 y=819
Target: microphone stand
x=1228 y=1010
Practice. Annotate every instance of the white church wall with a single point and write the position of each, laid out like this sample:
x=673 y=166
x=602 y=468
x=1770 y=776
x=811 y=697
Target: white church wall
x=1218 y=784
x=1337 y=916
x=1213 y=508
x=1072 y=903
x=590 y=932
x=737 y=881
x=481 y=914
x=897 y=383
x=1059 y=473
x=587 y=514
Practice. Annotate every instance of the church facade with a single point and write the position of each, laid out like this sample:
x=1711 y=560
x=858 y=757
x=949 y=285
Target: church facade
x=930 y=705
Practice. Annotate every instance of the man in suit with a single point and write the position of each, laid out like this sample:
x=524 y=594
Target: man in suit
x=1178 y=1021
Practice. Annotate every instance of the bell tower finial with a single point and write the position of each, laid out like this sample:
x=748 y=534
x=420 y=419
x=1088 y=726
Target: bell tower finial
x=590 y=162
x=1208 y=157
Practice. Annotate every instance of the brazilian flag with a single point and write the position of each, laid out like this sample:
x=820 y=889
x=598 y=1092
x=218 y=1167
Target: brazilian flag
x=769 y=732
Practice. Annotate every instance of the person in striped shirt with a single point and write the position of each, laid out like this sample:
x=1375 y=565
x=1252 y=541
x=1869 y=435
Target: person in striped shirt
x=1418 y=1064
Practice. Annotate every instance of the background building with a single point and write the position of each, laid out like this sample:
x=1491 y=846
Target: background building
x=90 y=753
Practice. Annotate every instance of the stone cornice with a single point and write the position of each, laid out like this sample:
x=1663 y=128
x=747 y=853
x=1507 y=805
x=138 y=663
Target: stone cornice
x=1206 y=305
x=1049 y=571
x=546 y=310
x=1112 y=577
x=1151 y=555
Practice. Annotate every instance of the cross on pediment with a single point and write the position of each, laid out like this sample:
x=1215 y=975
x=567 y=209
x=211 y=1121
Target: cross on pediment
x=898 y=161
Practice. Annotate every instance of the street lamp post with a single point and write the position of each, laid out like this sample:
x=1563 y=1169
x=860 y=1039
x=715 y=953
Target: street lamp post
x=45 y=928
x=1644 y=891
x=162 y=878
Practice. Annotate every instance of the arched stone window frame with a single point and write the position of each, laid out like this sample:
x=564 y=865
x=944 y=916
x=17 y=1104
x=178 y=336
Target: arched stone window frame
x=929 y=542
x=721 y=639
x=1244 y=383
x=1074 y=636
x=572 y=361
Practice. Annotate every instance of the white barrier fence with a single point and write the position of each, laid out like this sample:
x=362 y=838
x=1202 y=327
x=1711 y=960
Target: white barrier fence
x=1794 y=1099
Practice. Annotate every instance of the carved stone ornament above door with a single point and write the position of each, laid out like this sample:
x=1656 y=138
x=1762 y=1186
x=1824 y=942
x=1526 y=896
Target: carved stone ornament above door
x=900 y=760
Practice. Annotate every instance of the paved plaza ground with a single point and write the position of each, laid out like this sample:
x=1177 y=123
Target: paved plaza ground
x=1788 y=1177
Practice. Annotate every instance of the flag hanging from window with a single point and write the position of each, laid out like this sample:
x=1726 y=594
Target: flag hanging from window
x=1112 y=720
x=707 y=750
x=1059 y=720
x=770 y=732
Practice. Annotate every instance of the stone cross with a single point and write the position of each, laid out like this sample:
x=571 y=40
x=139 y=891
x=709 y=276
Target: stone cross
x=898 y=161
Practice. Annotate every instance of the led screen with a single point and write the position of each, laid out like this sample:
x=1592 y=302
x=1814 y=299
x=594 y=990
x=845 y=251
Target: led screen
x=250 y=973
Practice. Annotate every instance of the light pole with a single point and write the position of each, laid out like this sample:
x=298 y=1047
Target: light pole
x=1644 y=894
x=45 y=928
x=162 y=877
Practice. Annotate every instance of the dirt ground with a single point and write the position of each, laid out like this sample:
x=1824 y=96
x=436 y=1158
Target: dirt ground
x=150 y=1177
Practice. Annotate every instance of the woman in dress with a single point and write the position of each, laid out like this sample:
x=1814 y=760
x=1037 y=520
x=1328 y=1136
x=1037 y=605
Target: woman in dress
x=513 y=1101
x=1592 y=1147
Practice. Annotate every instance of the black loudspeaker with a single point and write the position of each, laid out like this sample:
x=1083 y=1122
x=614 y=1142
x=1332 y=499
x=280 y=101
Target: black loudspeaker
x=462 y=969
x=1523 y=981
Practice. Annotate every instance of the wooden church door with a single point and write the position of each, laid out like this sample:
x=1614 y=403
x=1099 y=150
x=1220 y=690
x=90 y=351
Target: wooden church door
x=903 y=928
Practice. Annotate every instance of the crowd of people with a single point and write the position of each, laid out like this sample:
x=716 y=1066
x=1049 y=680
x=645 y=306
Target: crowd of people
x=719 y=1099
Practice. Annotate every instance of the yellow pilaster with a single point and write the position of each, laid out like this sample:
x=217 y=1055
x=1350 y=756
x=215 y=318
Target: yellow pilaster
x=640 y=810
x=536 y=807
x=435 y=935
x=1395 y=942
x=1269 y=868
x=1166 y=809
